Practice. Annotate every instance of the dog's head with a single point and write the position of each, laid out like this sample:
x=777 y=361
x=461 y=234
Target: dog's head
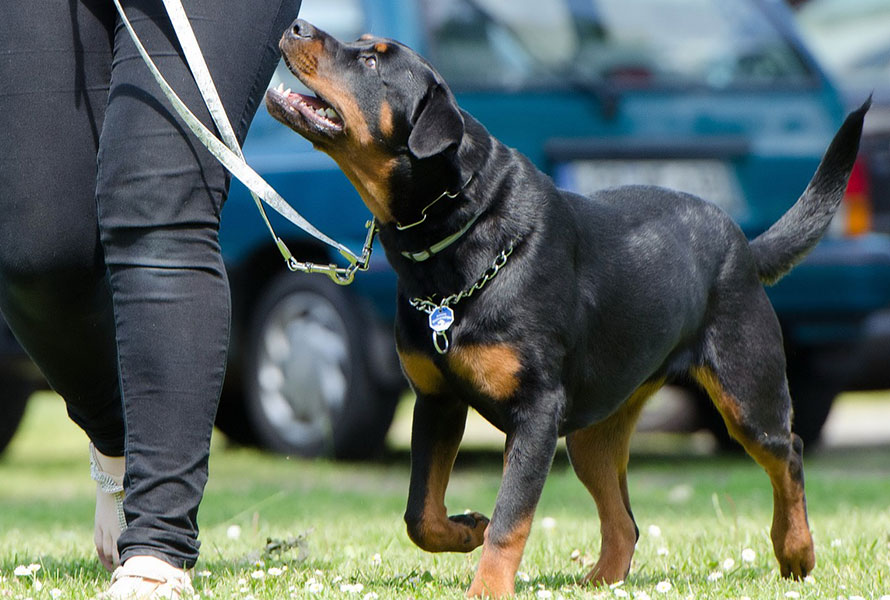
x=379 y=110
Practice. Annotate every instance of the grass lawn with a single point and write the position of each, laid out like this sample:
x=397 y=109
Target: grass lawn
x=704 y=524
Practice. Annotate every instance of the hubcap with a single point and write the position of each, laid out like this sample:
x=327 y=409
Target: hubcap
x=303 y=370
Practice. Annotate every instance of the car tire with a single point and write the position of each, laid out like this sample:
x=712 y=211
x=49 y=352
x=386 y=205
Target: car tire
x=231 y=416
x=307 y=384
x=813 y=390
x=13 y=400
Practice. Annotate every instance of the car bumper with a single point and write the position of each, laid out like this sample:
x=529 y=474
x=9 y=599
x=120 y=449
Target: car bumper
x=839 y=299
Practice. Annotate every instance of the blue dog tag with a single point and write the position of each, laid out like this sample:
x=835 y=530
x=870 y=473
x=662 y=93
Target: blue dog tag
x=441 y=318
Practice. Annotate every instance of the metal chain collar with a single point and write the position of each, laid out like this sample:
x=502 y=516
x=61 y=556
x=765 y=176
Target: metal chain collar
x=442 y=315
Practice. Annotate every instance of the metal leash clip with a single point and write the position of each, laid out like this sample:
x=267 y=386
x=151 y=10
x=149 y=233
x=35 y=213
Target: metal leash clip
x=339 y=275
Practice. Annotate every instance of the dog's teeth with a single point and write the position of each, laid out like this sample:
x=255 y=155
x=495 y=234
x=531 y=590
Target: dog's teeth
x=287 y=92
x=330 y=113
x=280 y=88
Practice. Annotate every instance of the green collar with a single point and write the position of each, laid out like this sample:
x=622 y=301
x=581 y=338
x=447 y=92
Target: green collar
x=442 y=244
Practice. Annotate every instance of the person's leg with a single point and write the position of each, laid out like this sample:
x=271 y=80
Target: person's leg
x=159 y=195
x=53 y=290
x=53 y=287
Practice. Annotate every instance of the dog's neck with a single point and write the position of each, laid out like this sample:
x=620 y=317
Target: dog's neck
x=433 y=198
x=471 y=169
x=435 y=185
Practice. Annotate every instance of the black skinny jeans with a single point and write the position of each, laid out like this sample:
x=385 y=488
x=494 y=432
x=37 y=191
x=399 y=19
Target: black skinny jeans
x=110 y=268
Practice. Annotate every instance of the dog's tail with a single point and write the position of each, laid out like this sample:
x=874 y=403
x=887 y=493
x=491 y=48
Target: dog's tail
x=778 y=249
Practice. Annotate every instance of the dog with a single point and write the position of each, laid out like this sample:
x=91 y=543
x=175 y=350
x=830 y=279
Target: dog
x=550 y=313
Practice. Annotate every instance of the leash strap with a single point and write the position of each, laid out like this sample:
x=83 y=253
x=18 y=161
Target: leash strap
x=229 y=153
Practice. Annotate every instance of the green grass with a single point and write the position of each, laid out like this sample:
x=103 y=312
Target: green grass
x=346 y=527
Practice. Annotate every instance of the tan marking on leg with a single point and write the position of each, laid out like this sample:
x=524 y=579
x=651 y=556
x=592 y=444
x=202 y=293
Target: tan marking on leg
x=790 y=530
x=436 y=532
x=599 y=455
x=421 y=372
x=493 y=370
x=726 y=404
x=496 y=573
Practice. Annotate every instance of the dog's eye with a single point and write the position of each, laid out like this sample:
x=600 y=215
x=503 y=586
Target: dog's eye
x=370 y=61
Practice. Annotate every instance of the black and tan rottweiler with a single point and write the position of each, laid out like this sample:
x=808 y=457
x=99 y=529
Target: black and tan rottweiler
x=551 y=313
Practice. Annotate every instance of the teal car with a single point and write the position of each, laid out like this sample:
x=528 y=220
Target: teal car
x=715 y=97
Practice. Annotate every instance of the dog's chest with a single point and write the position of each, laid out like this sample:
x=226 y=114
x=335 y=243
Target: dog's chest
x=491 y=370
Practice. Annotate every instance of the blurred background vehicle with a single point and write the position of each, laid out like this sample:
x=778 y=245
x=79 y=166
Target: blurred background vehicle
x=851 y=38
x=720 y=98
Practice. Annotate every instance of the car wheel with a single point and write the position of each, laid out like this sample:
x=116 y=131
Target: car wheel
x=306 y=377
x=813 y=390
x=13 y=400
x=231 y=416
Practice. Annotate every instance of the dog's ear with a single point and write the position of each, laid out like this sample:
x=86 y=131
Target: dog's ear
x=438 y=124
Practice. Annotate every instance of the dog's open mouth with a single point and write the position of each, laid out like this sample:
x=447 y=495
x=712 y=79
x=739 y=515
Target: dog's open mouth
x=305 y=114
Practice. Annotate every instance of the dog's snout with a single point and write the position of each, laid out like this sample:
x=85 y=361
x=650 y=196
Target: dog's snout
x=303 y=29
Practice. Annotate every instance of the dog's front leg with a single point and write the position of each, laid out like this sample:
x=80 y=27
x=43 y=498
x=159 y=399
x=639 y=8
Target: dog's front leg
x=527 y=459
x=436 y=433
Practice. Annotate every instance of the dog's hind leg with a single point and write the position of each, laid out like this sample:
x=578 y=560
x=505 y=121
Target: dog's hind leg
x=599 y=455
x=744 y=374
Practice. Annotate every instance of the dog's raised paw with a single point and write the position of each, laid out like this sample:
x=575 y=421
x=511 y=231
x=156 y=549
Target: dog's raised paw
x=475 y=524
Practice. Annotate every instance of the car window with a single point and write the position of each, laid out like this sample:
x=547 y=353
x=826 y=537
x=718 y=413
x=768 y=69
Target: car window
x=343 y=19
x=850 y=37
x=529 y=43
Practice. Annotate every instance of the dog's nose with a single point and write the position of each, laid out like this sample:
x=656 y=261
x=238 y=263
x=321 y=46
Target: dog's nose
x=303 y=29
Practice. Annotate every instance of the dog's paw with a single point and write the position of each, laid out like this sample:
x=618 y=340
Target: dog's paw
x=474 y=525
x=797 y=565
x=794 y=550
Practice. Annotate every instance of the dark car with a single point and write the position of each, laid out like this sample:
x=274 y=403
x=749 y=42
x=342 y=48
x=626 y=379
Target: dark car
x=850 y=38
x=715 y=97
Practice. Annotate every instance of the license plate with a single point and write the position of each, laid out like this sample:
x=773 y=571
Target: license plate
x=712 y=180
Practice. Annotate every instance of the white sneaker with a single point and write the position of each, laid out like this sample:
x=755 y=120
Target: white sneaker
x=148 y=578
x=108 y=473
